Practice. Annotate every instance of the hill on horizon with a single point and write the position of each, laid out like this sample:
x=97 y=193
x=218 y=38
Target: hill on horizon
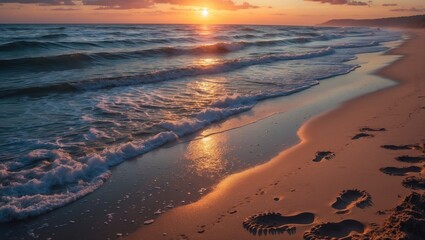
x=417 y=21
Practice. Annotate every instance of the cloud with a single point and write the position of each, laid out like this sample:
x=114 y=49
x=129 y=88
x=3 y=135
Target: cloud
x=133 y=4
x=214 y=4
x=41 y=2
x=129 y=4
x=389 y=4
x=119 y=4
x=343 y=2
x=412 y=9
x=64 y=9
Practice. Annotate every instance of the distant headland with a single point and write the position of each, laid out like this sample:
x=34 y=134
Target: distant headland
x=417 y=21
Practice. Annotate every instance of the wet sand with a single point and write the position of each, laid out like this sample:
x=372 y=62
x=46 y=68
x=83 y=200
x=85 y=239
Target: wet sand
x=352 y=165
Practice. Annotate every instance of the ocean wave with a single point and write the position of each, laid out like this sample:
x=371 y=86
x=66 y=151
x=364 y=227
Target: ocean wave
x=55 y=178
x=163 y=75
x=219 y=110
x=58 y=179
x=30 y=192
x=142 y=41
x=25 y=28
x=53 y=36
x=268 y=35
x=78 y=60
x=367 y=49
x=245 y=36
x=26 y=45
x=311 y=34
x=35 y=44
x=21 y=45
x=357 y=45
x=249 y=29
x=38 y=90
x=81 y=59
x=49 y=63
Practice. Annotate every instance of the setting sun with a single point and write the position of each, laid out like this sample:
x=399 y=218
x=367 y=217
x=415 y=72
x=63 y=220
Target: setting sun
x=205 y=12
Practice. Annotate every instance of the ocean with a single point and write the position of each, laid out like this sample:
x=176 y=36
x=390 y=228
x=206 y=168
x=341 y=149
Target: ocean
x=76 y=100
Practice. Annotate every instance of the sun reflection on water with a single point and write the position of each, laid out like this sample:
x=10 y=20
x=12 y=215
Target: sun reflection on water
x=206 y=156
x=206 y=62
x=207 y=90
x=205 y=30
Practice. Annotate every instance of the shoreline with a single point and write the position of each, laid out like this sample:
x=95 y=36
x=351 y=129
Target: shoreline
x=280 y=185
x=115 y=207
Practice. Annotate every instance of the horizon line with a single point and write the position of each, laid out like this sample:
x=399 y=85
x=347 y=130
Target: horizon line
x=67 y=23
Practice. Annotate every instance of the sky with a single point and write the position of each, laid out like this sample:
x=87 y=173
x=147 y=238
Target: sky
x=275 y=12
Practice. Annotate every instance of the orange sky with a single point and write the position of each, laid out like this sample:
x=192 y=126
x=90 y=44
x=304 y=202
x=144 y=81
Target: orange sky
x=289 y=12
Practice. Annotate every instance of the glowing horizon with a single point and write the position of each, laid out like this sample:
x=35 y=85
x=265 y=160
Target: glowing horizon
x=289 y=12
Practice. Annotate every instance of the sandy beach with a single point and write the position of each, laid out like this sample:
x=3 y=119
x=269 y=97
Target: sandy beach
x=351 y=168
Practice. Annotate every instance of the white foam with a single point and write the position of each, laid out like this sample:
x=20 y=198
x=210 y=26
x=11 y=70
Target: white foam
x=30 y=191
x=357 y=45
x=20 y=207
x=220 y=110
x=94 y=134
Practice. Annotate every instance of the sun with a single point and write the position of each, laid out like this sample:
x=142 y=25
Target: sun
x=205 y=12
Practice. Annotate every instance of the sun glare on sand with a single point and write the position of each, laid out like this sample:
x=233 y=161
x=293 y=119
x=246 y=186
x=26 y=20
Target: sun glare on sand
x=205 y=12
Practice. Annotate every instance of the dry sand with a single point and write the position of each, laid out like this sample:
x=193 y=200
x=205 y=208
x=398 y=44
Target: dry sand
x=337 y=181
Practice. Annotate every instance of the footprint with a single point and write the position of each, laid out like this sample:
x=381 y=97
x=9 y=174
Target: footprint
x=260 y=191
x=405 y=221
x=402 y=171
x=323 y=155
x=347 y=199
x=409 y=159
x=183 y=237
x=275 y=223
x=416 y=183
x=339 y=230
x=402 y=147
x=368 y=129
x=232 y=211
x=201 y=229
x=362 y=135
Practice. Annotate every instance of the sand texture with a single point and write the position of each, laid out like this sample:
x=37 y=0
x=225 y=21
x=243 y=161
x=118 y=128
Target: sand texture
x=353 y=166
